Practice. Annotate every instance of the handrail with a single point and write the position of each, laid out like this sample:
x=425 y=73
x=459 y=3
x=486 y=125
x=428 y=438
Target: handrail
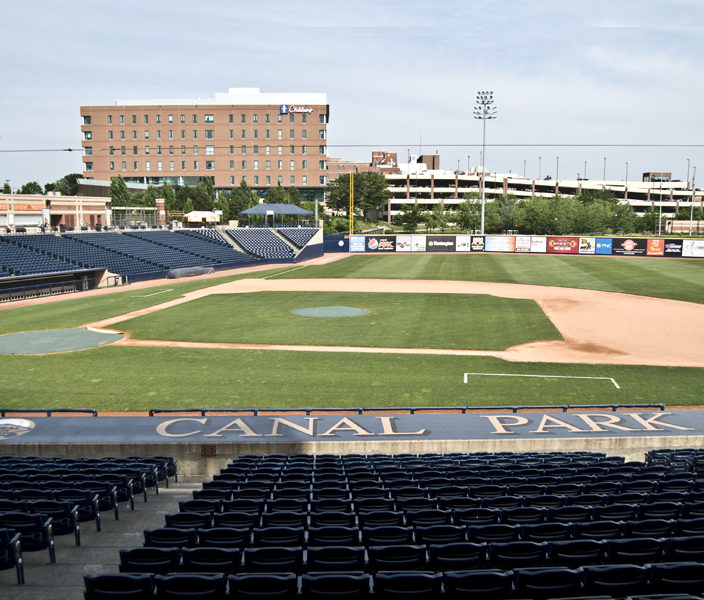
x=48 y=411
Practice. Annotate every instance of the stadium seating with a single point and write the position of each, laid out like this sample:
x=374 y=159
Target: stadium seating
x=263 y=243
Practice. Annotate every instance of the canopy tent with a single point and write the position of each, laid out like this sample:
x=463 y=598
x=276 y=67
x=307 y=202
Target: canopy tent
x=275 y=209
x=202 y=216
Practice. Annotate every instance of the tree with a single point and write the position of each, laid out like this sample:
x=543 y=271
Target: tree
x=31 y=187
x=222 y=204
x=437 y=218
x=370 y=191
x=411 y=217
x=506 y=211
x=66 y=186
x=6 y=189
x=169 y=196
x=468 y=213
x=119 y=194
x=241 y=198
x=294 y=196
x=275 y=195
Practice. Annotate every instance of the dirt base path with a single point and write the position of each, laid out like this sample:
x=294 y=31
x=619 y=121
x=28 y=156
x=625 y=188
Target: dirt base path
x=597 y=327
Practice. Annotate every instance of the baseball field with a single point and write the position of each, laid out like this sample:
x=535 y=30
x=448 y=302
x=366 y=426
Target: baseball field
x=426 y=330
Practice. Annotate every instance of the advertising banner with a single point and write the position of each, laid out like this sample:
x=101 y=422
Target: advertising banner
x=403 y=243
x=441 y=243
x=587 y=245
x=563 y=245
x=538 y=244
x=463 y=243
x=357 y=243
x=604 y=245
x=495 y=243
x=673 y=247
x=381 y=243
x=418 y=242
x=656 y=248
x=630 y=246
x=522 y=243
x=477 y=243
x=693 y=248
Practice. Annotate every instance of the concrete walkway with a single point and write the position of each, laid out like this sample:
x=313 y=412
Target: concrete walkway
x=98 y=552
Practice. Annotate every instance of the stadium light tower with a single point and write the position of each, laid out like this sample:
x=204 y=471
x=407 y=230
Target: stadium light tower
x=484 y=110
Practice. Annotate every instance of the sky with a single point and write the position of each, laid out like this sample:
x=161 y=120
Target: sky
x=580 y=88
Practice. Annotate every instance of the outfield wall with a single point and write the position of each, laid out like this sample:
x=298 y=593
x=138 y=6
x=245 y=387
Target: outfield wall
x=528 y=244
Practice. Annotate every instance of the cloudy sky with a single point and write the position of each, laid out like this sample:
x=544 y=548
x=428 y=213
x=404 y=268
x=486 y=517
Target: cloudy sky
x=582 y=81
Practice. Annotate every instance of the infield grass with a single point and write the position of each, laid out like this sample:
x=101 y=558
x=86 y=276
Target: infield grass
x=474 y=322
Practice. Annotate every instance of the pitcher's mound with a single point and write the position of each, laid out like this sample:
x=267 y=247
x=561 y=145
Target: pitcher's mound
x=48 y=341
x=327 y=312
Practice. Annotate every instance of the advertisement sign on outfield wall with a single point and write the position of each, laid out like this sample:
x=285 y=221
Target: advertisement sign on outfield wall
x=440 y=243
x=463 y=243
x=656 y=248
x=403 y=243
x=357 y=243
x=604 y=245
x=477 y=243
x=693 y=248
x=563 y=245
x=495 y=243
x=522 y=243
x=381 y=243
x=538 y=244
x=587 y=245
x=673 y=247
x=630 y=246
x=418 y=242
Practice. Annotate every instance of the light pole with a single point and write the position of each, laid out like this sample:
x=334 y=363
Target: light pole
x=604 y=169
x=469 y=163
x=691 y=206
x=557 y=169
x=484 y=110
x=660 y=213
x=584 y=175
x=524 y=168
x=687 y=173
x=540 y=159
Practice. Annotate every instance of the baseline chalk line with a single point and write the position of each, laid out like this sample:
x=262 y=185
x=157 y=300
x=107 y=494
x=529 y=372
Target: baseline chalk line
x=611 y=379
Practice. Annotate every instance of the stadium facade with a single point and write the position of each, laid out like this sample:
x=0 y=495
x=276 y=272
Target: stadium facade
x=263 y=139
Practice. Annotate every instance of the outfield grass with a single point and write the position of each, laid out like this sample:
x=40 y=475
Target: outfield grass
x=677 y=279
x=122 y=378
x=473 y=322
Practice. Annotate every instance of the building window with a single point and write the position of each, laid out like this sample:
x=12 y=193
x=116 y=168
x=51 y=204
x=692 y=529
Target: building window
x=321 y=149
x=146 y=119
x=134 y=134
x=243 y=118
x=146 y=134
x=255 y=149
x=232 y=165
x=122 y=135
x=209 y=118
x=146 y=149
x=158 y=134
x=195 y=150
x=232 y=179
x=135 y=164
x=291 y=134
x=123 y=150
x=256 y=180
x=304 y=179
x=321 y=165
x=183 y=149
x=267 y=118
x=209 y=165
x=321 y=117
x=292 y=165
x=210 y=150
x=280 y=180
x=255 y=118
x=134 y=119
x=292 y=149
x=244 y=178
x=232 y=134
x=267 y=134
x=304 y=165
x=267 y=150
x=293 y=179
x=279 y=134
x=256 y=134
x=183 y=165
x=321 y=133
x=230 y=118
x=159 y=166
x=171 y=119
x=171 y=134
x=268 y=179
x=280 y=150
x=111 y=150
x=268 y=165
x=291 y=118
x=109 y=119
x=195 y=165
x=322 y=180
x=256 y=165
x=171 y=149
x=124 y=165
x=171 y=165
x=182 y=118
x=304 y=149
x=195 y=118
x=304 y=118
x=243 y=150
x=122 y=119
x=158 y=149
x=134 y=149
x=278 y=118
x=183 y=134
x=244 y=164
x=87 y=135
x=158 y=118
x=280 y=164
x=304 y=133
x=195 y=134
x=110 y=134
x=112 y=166
x=89 y=166
x=232 y=149
x=209 y=134
x=243 y=134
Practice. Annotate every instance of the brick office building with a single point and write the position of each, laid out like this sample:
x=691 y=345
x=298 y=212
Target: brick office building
x=264 y=139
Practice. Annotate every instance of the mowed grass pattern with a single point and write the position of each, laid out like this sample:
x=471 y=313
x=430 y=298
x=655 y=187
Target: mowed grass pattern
x=677 y=279
x=453 y=321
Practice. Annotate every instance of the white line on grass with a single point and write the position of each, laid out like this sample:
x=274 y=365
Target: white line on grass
x=155 y=293
x=611 y=379
x=284 y=272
